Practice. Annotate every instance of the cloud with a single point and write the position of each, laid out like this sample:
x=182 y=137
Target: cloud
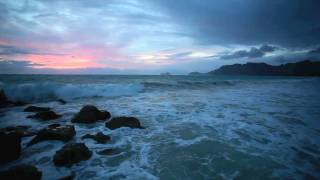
x=314 y=51
x=130 y=34
x=13 y=50
x=268 y=48
x=252 y=53
x=16 y=67
x=288 y=23
x=28 y=67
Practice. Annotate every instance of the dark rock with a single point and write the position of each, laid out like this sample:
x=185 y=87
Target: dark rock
x=45 y=116
x=70 y=177
x=22 y=172
x=18 y=103
x=54 y=132
x=4 y=102
x=3 y=99
x=108 y=152
x=10 y=147
x=61 y=101
x=22 y=131
x=71 y=153
x=118 y=122
x=55 y=125
x=36 y=109
x=99 y=137
x=90 y=114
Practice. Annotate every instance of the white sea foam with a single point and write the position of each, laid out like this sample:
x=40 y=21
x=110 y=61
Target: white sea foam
x=188 y=142
x=246 y=119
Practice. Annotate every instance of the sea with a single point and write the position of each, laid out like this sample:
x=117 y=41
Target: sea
x=196 y=127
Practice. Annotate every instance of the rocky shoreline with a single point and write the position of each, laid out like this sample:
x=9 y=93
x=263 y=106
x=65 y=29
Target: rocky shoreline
x=71 y=153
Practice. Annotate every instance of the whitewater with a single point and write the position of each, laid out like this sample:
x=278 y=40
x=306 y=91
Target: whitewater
x=197 y=127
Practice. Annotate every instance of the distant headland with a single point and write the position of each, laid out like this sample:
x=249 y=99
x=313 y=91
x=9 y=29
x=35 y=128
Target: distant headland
x=302 y=68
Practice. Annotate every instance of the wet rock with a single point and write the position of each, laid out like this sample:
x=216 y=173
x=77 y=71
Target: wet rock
x=55 y=125
x=36 y=109
x=18 y=103
x=22 y=172
x=54 y=132
x=107 y=152
x=3 y=98
x=90 y=114
x=45 y=116
x=61 y=101
x=71 y=153
x=10 y=147
x=99 y=137
x=118 y=122
x=22 y=131
x=4 y=102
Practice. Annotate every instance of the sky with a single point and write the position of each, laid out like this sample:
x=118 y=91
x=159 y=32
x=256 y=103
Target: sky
x=153 y=36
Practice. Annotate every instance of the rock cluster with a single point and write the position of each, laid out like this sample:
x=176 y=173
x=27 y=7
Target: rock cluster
x=71 y=152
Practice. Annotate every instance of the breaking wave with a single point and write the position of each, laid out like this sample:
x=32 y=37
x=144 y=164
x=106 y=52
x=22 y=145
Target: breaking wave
x=50 y=91
x=46 y=91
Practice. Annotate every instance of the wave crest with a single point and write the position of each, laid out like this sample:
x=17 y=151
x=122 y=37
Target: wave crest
x=37 y=92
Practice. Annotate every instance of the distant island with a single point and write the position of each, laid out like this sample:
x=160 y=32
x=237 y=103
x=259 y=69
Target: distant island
x=165 y=74
x=197 y=74
x=302 y=68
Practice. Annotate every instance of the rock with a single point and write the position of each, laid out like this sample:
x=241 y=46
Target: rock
x=22 y=131
x=55 y=125
x=36 y=109
x=21 y=172
x=70 y=177
x=18 y=103
x=99 y=137
x=3 y=99
x=45 y=116
x=54 y=132
x=71 y=153
x=61 y=101
x=90 y=114
x=4 y=102
x=107 y=152
x=10 y=147
x=118 y=122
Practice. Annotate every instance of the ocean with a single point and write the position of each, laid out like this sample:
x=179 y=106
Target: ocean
x=196 y=127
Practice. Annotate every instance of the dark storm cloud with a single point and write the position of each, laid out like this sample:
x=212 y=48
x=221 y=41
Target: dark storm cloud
x=289 y=23
x=314 y=51
x=252 y=53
